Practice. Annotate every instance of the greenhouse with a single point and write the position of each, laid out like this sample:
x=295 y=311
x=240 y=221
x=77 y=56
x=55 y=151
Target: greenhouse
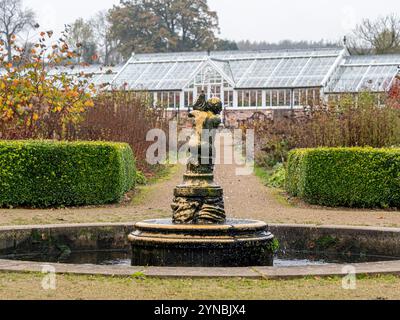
x=372 y=73
x=256 y=80
x=246 y=80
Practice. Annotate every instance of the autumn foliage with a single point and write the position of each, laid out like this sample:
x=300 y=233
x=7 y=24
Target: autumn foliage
x=36 y=103
x=394 y=94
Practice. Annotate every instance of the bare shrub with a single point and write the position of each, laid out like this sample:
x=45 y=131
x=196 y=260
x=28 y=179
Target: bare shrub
x=349 y=123
x=394 y=94
x=123 y=116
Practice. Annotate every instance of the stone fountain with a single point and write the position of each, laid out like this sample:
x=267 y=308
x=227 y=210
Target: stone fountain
x=199 y=234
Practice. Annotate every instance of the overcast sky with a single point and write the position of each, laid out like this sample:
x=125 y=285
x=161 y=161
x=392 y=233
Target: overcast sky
x=269 y=20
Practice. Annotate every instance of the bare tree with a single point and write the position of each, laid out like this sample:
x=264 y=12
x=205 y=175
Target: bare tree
x=13 y=20
x=81 y=37
x=102 y=33
x=378 y=36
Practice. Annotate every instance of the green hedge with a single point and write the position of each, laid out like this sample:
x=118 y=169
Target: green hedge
x=49 y=173
x=350 y=177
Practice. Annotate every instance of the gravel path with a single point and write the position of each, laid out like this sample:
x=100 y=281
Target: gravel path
x=245 y=197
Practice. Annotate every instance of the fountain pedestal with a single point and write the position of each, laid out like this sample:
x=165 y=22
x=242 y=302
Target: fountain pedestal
x=236 y=243
x=199 y=235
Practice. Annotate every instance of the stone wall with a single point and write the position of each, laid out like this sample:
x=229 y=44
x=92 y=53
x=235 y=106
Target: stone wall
x=233 y=118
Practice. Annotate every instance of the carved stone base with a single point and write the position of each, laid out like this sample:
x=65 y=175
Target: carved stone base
x=198 y=205
x=236 y=243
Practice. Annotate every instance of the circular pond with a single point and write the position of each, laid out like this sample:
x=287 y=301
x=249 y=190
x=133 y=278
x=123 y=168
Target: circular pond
x=310 y=249
x=123 y=258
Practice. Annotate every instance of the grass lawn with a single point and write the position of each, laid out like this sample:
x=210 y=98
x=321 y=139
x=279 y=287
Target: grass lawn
x=28 y=286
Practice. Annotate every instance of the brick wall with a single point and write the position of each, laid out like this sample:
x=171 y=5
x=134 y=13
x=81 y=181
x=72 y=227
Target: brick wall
x=232 y=118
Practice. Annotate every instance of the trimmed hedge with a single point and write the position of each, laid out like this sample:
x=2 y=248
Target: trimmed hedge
x=50 y=173
x=349 y=177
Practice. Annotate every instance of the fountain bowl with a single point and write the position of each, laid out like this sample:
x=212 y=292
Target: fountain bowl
x=235 y=243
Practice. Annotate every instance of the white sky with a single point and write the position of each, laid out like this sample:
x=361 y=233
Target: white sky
x=269 y=20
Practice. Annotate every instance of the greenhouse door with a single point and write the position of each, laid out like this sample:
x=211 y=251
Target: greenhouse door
x=212 y=82
x=211 y=90
x=214 y=91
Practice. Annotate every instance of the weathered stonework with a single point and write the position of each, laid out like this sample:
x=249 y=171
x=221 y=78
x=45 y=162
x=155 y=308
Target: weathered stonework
x=236 y=243
x=199 y=200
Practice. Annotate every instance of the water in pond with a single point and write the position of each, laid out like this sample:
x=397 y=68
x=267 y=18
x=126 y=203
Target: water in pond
x=122 y=258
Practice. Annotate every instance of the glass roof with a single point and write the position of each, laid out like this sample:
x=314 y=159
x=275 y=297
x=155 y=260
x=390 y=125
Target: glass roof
x=374 y=59
x=286 y=72
x=156 y=75
x=282 y=72
x=104 y=78
x=225 y=67
x=239 y=68
x=244 y=69
x=96 y=74
x=365 y=73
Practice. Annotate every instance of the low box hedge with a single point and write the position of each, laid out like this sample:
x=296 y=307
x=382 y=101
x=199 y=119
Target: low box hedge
x=50 y=173
x=350 y=177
